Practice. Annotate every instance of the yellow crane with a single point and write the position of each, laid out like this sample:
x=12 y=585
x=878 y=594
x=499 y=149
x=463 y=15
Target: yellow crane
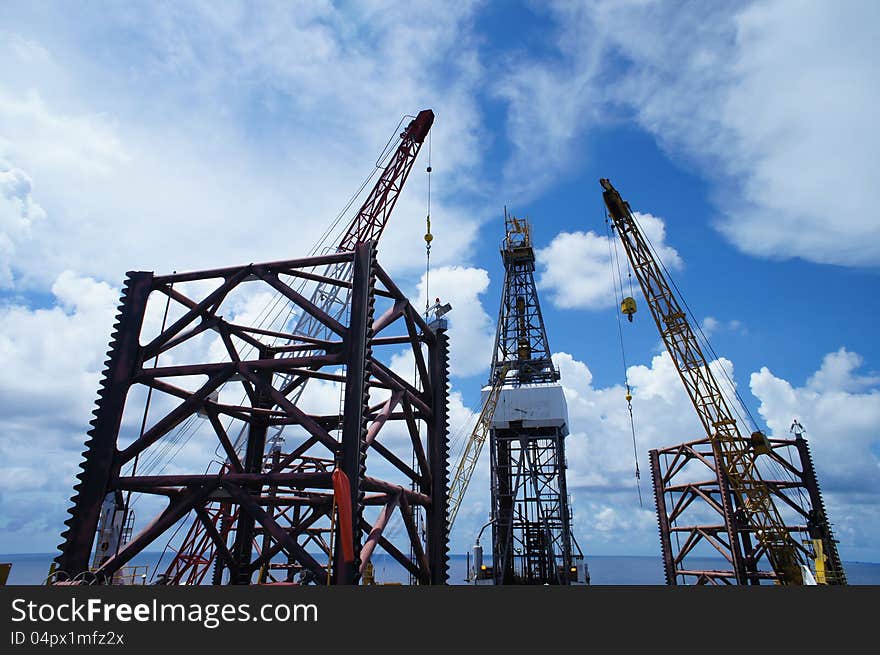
x=468 y=462
x=735 y=454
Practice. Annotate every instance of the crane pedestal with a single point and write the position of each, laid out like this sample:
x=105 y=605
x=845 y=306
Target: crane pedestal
x=693 y=525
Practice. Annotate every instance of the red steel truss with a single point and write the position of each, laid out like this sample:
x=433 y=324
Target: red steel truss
x=263 y=513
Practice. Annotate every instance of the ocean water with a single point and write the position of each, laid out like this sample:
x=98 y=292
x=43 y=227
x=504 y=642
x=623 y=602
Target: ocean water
x=32 y=569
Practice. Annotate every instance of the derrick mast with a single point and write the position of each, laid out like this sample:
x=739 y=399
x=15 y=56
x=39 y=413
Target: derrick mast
x=521 y=338
x=531 y=518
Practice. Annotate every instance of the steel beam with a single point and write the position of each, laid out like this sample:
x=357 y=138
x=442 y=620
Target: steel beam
x=260 y=498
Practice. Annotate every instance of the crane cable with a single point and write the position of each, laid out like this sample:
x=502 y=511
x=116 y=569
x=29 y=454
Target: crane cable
x=428 y=236
x=737 y=401
x=617 y=283
x=417 y=381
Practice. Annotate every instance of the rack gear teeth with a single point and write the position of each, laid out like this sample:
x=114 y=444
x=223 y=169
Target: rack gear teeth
x=365 y=397
x=100 y=446
x=443 y=407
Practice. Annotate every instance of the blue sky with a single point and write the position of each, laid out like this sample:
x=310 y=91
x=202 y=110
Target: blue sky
x=173 y=136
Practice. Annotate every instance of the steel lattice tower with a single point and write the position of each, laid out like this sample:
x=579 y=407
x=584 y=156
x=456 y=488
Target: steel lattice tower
x=531 y=519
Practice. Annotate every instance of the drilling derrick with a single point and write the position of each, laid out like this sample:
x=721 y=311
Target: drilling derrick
x=531 y=519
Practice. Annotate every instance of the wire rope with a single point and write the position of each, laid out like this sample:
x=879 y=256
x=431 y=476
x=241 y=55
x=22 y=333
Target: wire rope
x=613 y=257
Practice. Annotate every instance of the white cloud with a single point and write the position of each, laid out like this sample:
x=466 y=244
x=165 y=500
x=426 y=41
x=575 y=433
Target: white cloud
x=778 y=100
x=772 y=101
x=86 y=146
x=50 y=364
x=600 y=453
x=583 y=269
x=600 y=450
x=577 y=270
x=840 y=412
x=61 y=348
x=471 y=330
x=839 y=407
x=542 y=147
x=838 y=373
x=808 y=137
x=224 y=138
x=711 y=325
x=550 y=105
x=263 y=149
x=18 y=212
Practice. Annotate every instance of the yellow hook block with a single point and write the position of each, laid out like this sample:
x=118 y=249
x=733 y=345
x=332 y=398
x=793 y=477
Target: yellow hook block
x=628 y=307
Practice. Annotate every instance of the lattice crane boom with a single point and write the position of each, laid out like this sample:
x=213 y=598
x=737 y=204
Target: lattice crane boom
x=367 y=225
x=468 y=462
x=735 y=454
x=370 y=221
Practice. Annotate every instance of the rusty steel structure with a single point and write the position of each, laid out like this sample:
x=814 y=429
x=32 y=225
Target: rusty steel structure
x=690 y=513
x=196 y=555
x=262 y=513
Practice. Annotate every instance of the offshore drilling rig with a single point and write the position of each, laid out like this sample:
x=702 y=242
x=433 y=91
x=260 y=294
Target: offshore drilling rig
x=532 y=541
x=291 y=499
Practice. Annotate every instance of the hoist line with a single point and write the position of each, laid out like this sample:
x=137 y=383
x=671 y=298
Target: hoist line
x=612 y=257
x=737 y=403
x=428 y=236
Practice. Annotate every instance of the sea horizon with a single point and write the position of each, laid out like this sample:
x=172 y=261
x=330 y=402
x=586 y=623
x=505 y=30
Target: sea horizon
x=622 y=570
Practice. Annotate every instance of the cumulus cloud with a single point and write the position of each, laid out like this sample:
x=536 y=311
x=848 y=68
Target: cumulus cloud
x=581 y=269
x=263 y=151
x=777 y=100
x=50 y=363
x=711 y=325
x=222 y=139
x=602 y=457
x=838 y=372
x=85 y=145
x=128 y=188
x=840 y=414
x=471 y=330
x=61 y=348
x=18 y=212
x=840 y=410
x=542 y=146
x=839 y=405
